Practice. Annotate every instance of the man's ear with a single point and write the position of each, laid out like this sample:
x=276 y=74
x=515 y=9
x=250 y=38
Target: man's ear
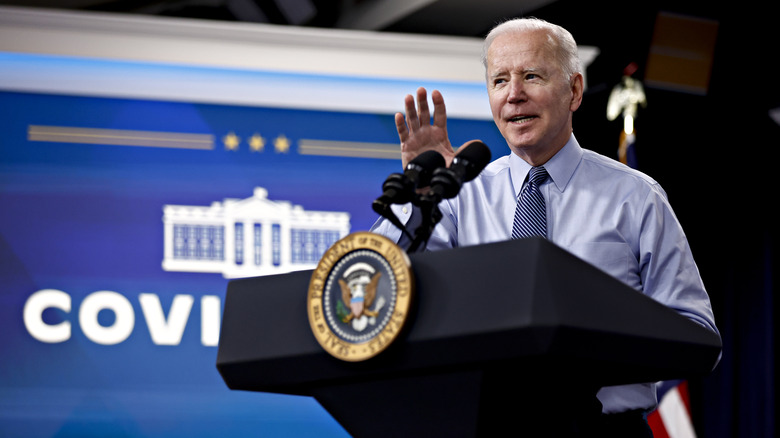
x=577 y=84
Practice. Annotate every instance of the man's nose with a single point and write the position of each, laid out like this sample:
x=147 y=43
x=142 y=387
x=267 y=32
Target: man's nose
x=516 y=91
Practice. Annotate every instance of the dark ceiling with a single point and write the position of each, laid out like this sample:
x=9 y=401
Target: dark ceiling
x=587 y=20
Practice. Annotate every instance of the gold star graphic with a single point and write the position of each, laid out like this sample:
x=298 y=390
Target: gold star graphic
x=282 y=144
x=256 y=143
x=231 y=141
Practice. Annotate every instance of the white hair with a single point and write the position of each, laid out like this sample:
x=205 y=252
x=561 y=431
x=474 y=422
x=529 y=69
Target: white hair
x=560 y=41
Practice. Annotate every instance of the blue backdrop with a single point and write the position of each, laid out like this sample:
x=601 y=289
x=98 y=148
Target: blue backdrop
x=82 y=217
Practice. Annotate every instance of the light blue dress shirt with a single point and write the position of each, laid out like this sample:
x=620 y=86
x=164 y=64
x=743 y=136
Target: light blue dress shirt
x=602 y=211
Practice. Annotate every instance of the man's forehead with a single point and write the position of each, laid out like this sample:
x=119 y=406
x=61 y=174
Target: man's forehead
x=525 y=40
x=526 y=47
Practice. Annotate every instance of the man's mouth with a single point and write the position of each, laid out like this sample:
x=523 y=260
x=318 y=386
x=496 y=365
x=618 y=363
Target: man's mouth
x=521 y=119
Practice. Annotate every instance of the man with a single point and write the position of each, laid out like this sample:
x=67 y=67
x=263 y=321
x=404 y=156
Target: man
x=612 y=216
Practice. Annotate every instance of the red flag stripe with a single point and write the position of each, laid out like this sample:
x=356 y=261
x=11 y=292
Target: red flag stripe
x=657 y=425
x=672 y=418
x=682 y=388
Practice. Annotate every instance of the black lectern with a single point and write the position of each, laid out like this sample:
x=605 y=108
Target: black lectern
x=502 y=335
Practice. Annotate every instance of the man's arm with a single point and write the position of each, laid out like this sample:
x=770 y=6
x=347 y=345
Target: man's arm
x=667 y=268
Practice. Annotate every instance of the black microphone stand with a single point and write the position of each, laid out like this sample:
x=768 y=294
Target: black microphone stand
x=428 y=203
x=445 y=184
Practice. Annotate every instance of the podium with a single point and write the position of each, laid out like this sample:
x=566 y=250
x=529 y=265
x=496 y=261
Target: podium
x=504 y=338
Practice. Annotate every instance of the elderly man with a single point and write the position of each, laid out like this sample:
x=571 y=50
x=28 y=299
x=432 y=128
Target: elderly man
x=608 y=214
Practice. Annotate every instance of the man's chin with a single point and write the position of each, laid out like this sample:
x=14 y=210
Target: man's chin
x=522 y=144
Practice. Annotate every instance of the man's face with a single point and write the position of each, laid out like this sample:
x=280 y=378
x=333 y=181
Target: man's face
x=530 y=98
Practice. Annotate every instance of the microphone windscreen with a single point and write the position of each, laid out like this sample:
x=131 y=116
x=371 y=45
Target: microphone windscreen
x=428 y=160
x=473 y=156
x=423 y=166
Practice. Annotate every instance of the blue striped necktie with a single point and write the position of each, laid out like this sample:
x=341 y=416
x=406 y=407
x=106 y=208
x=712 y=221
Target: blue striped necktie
x=531 y=213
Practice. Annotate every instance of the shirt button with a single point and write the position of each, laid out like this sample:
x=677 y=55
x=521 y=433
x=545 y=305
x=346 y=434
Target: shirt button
x=405 y=210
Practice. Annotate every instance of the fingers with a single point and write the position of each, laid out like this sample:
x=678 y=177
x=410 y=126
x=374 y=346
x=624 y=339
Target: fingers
x=422 y=104
x=400 y=126
x=411 y=113
x=414 y=118
x=420 y=115
x=439 y=109
x=414 y=125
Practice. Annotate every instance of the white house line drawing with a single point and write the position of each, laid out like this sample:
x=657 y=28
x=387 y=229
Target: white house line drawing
x=248 y=237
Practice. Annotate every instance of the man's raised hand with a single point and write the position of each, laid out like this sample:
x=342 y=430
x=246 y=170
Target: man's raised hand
x=416 y=132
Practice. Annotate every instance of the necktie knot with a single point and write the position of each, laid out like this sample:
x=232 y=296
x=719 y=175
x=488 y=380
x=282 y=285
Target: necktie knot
x=538 y=175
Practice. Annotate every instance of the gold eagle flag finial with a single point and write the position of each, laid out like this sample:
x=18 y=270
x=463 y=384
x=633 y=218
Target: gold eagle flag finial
x=624 y=100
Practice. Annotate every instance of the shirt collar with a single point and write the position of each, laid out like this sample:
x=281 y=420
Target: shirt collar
x=560 y=167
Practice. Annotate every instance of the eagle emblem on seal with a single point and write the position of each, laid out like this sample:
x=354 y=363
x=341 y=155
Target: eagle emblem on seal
x=358 y=293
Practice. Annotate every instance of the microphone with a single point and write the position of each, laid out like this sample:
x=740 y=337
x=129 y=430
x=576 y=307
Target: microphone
x=400 y=188
x=446 y=182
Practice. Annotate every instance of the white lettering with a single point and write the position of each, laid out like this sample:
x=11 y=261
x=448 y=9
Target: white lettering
x=123 y=323
x=163 y=331
x=33 y=316
x=166 y=332
x=210 y=316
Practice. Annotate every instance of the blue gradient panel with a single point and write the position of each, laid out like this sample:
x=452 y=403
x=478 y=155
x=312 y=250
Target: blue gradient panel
x=53 y=74
x=81 y=218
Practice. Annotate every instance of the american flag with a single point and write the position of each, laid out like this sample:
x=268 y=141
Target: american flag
x=672 y=418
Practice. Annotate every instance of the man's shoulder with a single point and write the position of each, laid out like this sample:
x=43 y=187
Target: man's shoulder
x=611 y=168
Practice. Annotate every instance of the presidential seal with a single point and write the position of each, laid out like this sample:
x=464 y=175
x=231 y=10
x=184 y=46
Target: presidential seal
x=359 y=296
